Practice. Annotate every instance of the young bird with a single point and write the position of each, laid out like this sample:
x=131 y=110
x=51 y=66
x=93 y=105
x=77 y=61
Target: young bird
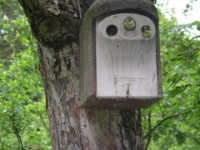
x=129 y=24
x=146 y=31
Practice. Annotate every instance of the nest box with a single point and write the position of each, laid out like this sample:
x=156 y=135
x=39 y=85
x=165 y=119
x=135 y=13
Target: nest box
x=120 y=55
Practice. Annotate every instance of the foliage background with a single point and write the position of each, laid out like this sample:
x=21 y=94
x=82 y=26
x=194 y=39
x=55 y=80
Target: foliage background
x=172 y=124
x=23 y=122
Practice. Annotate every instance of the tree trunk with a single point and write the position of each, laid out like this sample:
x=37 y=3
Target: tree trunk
x=55 y=24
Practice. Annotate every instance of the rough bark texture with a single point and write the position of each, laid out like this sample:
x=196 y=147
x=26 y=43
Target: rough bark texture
x=55 y=24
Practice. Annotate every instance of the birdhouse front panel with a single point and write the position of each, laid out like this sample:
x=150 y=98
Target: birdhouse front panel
x=126 y=65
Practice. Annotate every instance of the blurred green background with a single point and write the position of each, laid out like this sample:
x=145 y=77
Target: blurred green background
x=171 y=124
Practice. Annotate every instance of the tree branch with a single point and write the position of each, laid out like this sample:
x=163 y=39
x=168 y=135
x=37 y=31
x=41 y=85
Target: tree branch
x=149 y=128
x=2 y=145
x=163 y=114
x=162 y=121
x=42 y=119
x=16 y=130
x=194 y=139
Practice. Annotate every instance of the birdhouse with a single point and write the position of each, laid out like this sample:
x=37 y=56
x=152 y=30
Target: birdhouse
x=120 y=55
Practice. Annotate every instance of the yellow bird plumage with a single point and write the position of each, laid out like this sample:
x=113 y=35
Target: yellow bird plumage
x=129 y=24
x=146 y=31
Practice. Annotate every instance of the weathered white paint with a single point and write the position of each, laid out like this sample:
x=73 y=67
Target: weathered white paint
x=126 y=62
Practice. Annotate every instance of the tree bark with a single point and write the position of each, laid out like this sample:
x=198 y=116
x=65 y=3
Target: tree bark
x=55 y=24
